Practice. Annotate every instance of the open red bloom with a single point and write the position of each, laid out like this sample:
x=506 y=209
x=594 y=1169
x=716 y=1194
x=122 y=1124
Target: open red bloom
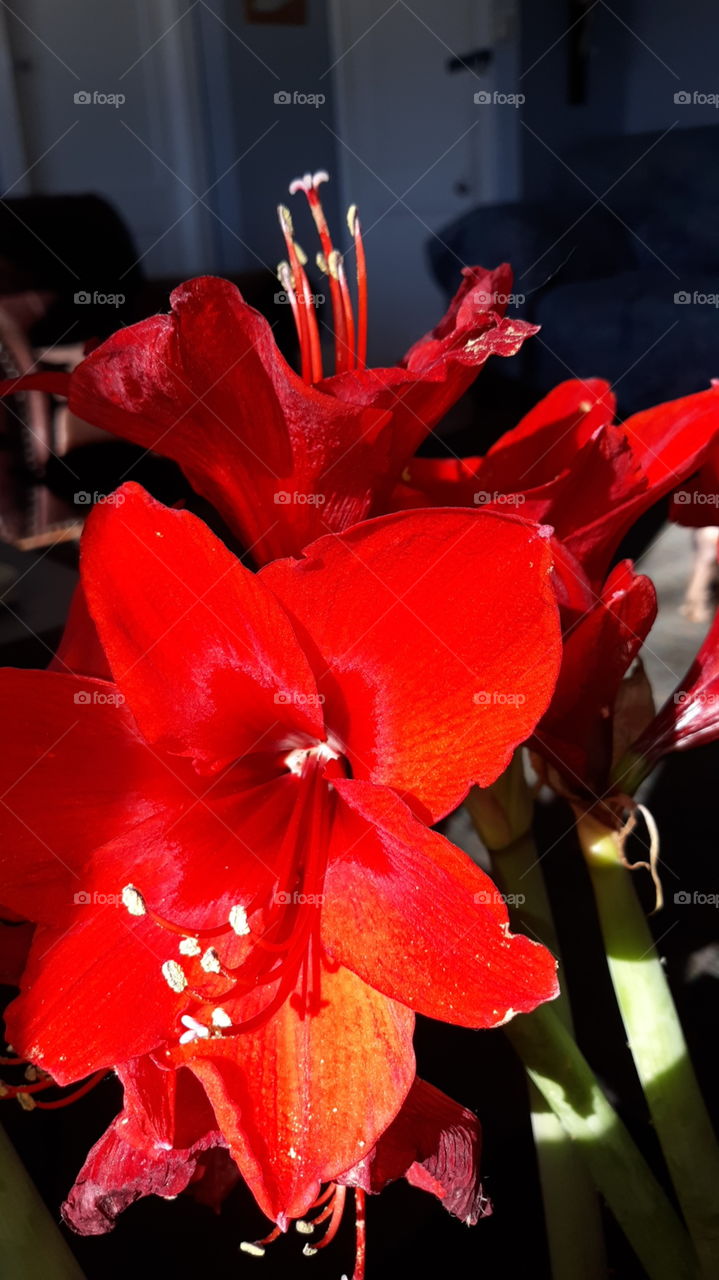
x=229 y=869
x=433 y=1142
x=286 y=458
x=566 y=463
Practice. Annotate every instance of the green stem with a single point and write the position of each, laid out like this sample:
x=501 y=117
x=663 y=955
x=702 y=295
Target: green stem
x=641 y=1208
x=571 y=1210
x=657 y=1041
x=31 y=1246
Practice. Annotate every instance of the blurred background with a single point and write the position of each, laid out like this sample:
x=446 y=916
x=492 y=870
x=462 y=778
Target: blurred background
x=143 y=143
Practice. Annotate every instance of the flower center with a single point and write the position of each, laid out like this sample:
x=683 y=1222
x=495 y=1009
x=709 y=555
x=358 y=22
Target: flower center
x=350 y=337
x=270 y=946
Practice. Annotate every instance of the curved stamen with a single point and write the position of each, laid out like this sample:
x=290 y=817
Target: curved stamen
x=353 y=223
x=309 y=184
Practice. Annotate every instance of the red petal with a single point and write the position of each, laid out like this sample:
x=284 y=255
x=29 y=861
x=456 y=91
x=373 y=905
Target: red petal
x=206 y=658
x=690 y=717
x=575 y=736
x=438 y=369
x=435 y=1144
x=547 y=439
x=292 y=1100
x=117 y=1174
x=105 y=972
x=93 y=995
x=208 y=387
x=80 y=650
x=441 y=648
x=73 y=774
x=416 y=918
x=668 y=442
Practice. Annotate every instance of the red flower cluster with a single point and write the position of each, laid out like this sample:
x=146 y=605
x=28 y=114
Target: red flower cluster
x=232 y=877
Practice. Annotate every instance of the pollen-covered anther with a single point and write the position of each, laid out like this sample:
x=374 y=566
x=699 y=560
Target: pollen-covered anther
x=211 y=962
x=133 y=900
x=174 y=976
x=195 y=1030
x=305 y=1228
x=221 y=1018
x=238 y=921
x=286 y=222
x=254 y=1250
x=334 y=263
x=26 y=1100
x=189 y=947
x=352 y=216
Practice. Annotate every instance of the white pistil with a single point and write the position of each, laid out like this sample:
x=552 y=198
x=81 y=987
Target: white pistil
x=239 y=922
x=210 y=962
x=133 y=900
x=190 y=947
x=195 y=1030
x=174 y=976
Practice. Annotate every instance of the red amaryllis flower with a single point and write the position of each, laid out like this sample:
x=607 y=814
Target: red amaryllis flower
x=595 y=710
x=228 y=869
x=286 y=458
x=566 y=463
x=689 y=718
x=433 y=1142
